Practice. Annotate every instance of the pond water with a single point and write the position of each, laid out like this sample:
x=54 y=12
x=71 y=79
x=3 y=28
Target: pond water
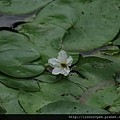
x=10 y=22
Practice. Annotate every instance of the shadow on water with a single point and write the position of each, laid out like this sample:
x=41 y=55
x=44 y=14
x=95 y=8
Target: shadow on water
x=10 y=22
x=93 y=51
x=7 y=21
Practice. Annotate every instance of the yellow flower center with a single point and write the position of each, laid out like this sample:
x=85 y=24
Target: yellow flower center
x=63 y=65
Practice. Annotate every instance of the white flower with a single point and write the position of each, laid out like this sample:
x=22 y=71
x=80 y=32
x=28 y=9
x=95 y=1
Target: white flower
x=61 y=63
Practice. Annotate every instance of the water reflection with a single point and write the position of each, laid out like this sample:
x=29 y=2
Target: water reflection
x=10 y=20
x=93 y=51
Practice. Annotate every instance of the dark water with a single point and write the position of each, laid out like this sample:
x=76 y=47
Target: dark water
x=10 y=22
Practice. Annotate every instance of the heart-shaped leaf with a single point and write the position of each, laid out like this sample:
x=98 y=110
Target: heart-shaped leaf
x=20 y=53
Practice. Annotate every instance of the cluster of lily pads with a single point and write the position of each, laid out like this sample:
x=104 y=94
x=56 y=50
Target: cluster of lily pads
x=36 y=73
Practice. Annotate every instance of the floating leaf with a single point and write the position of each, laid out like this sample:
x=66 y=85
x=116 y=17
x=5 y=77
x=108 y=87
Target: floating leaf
x=24 y=84
x=43 y=36
x=65 y=107
x=79 y=79
x=94 y=17
x=9 y=100
x=47 y=38
x=11 y=6
x=92 y=90
x=62 y=90
x=75 y=26
x=48 y=77
x=117 y=41
x=82 y=20
x=75 y=38
x=59 y=13
x=97 y=70
x=20 y=53
x=103 y=98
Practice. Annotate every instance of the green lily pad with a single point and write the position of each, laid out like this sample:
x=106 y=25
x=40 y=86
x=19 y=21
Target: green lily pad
x=48 y=77
x=43 y=36
x=62 y=90
x=59 y=13
x=94 y=17
x=117 y=41
x=24 y=84
x=97 y=70
x=103 y=98
x=81 y=21
x=47 y=38
x=65 y=107
x=9 y=100
x=72 y=25
x=20 y=53
x=25 y=7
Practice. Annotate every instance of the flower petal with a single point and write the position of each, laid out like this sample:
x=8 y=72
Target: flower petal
x=69 y=61
x=62 y=56
x=56 y=71
x=54 y=62
x=66 y=71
